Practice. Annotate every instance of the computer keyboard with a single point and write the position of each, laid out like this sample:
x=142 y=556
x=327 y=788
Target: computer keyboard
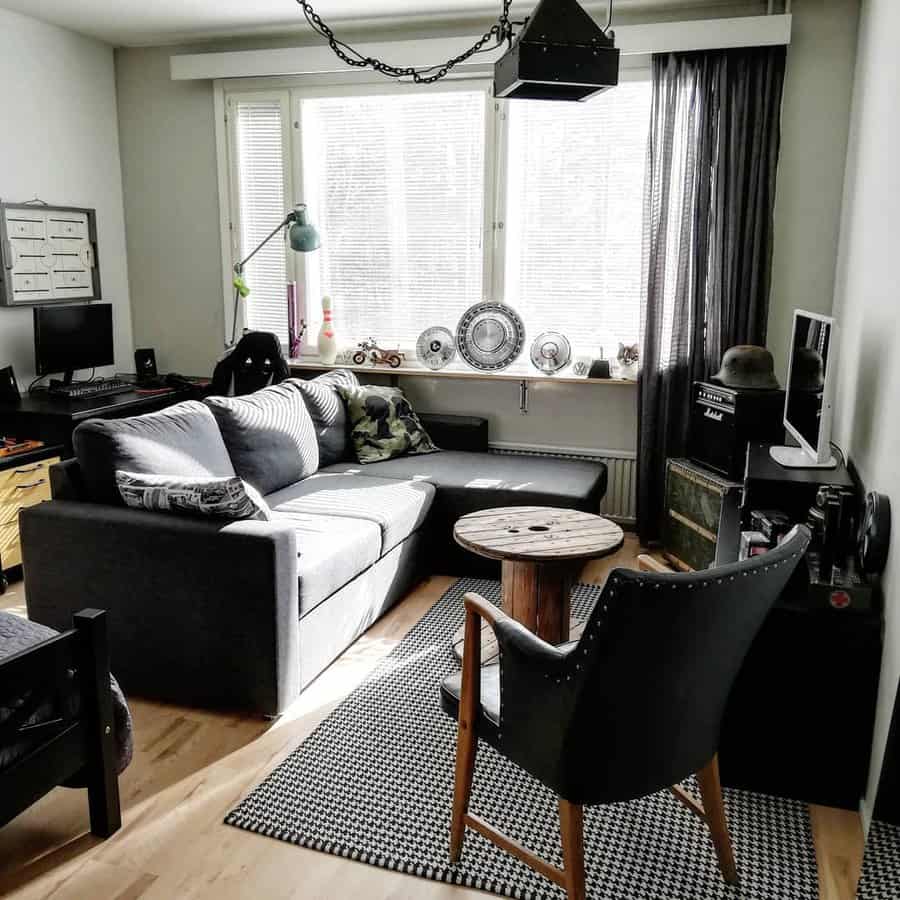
x=91 y=389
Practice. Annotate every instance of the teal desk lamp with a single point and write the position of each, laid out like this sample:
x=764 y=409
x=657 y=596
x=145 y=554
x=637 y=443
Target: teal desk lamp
x=303 y=238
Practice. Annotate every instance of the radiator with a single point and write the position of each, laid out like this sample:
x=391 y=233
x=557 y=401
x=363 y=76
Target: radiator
x=620 y=502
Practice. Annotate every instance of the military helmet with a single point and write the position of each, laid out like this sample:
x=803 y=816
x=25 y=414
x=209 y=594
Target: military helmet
x=747 y=367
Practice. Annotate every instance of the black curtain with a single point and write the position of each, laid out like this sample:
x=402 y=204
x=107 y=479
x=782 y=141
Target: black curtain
x=708 y=224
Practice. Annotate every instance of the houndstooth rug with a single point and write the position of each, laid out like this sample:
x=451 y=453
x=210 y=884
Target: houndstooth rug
x=881 y=865
x=374 y=783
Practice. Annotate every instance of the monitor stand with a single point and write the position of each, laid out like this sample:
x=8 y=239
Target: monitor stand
x=67 y=379
x=798 y=458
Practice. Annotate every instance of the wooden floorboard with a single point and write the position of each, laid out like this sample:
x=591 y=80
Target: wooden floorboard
x=191 y=767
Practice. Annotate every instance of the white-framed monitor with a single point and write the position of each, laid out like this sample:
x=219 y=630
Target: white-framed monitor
x=809 y=399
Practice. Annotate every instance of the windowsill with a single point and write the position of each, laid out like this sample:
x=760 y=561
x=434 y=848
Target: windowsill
x=513 y=373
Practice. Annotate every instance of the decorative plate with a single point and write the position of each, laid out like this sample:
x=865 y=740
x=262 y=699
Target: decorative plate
x=435 y=347
x=490 y=336
x=551 y=352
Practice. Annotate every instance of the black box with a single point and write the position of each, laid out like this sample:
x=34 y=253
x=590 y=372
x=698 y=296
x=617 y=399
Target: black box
x=724 y=420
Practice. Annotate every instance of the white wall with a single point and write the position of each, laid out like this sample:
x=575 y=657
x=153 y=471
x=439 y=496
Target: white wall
x=61 y=143
x=814 y=122
x=867 y=306
x=168 y=156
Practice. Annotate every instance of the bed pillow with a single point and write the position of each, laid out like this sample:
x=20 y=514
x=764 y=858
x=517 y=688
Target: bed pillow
x=181 y=440
x=269 y=435
x=383 y=424
x=329 y=414
x=222 y=498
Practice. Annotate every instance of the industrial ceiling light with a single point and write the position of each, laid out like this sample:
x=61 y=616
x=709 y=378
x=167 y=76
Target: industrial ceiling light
x=560 y=54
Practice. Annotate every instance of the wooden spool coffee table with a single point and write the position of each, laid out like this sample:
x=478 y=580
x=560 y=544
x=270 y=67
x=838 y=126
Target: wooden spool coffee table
x=542 y=550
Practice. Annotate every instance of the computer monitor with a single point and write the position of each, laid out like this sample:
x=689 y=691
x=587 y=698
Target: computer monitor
x=67 y=338
x=809 y=399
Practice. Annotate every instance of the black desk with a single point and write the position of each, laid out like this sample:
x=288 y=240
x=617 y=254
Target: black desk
x=800 y=717
x=43 y=417
x=769 y=485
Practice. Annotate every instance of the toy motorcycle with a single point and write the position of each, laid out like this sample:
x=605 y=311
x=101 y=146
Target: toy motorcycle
x=368 y=349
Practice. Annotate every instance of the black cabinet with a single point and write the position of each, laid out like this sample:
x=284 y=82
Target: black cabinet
x=800 y=717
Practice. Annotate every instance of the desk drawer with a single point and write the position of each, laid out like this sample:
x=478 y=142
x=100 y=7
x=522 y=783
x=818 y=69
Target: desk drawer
x=20 y=487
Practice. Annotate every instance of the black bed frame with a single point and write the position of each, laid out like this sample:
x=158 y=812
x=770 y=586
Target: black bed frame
x=84 y=745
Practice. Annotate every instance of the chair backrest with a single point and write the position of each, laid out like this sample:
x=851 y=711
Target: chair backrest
x=256 y=361
x=654 y=668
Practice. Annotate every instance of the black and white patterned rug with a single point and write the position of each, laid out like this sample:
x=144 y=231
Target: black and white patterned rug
x=374 y=783
x=881 y=864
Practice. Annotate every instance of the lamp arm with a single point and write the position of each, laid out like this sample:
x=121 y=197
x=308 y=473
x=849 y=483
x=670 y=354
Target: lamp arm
x=238 y=269
x=288 y=219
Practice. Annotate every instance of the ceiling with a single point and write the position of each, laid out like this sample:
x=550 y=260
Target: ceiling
x=145 y=22
x=148 y=22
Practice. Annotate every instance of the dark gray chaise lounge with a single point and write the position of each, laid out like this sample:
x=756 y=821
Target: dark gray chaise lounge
x=245 y=614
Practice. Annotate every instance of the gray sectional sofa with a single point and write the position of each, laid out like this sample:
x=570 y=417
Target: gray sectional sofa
x=244 y=614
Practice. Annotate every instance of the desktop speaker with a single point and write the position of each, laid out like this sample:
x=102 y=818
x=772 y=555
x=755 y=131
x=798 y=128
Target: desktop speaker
x=145 y=363
x=9 y=387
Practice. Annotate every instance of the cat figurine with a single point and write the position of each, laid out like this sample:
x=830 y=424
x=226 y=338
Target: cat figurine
x=628 y=358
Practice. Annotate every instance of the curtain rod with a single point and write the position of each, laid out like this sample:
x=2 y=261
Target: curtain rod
x=661 y=37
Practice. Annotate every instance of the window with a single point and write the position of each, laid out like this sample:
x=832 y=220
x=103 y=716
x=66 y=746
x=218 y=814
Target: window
x=396 y=185
x=431 y=201
x=259 y=176
x=573 y=217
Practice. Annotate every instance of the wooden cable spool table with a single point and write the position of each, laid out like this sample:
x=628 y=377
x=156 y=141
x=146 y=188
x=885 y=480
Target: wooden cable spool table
x=542 y=551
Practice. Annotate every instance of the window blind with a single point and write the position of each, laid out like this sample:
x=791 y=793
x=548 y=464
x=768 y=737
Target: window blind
x=259 y=150
x=573 y=218
x=396 y=184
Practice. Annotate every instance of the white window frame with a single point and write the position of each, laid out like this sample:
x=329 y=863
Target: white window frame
x=232 y=228
x=290 y=91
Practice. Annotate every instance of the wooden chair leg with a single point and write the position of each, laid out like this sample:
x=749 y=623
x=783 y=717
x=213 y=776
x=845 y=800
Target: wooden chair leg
x=711 y=792
x=466 y=749
x=467 y=735
x=571 y=822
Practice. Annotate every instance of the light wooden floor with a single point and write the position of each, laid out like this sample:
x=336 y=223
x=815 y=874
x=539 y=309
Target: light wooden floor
x=191 y=767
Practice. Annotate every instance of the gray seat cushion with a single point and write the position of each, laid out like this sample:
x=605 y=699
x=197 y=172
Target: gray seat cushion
x=180 y=440
x=331 y=551
x=467 y=482
x=397 y=507
x=471 y=481
x=269 y=436
x=329 y=413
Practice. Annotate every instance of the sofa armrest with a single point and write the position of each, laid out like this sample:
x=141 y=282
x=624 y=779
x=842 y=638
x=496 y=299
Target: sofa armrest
x=200 y=611
x=66 y=482
x=457 y=432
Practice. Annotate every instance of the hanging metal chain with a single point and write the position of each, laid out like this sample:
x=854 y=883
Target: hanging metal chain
x=499 y=33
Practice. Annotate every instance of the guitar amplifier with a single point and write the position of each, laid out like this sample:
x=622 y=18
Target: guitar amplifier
x=724 y=420
x=702 y=525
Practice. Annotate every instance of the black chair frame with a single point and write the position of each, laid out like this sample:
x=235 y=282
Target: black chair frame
x=77 y=740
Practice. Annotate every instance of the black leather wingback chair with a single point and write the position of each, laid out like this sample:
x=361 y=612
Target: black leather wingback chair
x=256 y=361
x=633 y=707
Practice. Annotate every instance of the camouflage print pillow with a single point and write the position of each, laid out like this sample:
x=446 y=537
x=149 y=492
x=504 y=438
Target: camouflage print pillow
x=383 y=424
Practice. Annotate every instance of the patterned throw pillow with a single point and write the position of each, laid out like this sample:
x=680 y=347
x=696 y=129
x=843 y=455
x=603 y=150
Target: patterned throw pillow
x=224 y=498
x=383 y=424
